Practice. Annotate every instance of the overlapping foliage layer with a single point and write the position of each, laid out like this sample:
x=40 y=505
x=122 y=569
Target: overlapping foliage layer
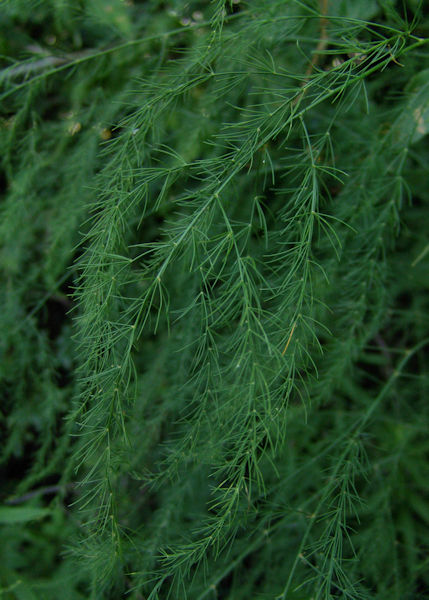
x=215 y=319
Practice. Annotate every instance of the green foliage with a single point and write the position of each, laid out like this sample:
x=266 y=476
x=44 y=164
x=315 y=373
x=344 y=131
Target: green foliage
x=214 y=309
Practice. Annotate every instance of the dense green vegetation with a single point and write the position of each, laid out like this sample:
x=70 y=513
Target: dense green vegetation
x=214 y=299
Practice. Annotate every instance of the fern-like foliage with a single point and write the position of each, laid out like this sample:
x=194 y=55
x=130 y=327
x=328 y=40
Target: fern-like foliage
x=214 y=318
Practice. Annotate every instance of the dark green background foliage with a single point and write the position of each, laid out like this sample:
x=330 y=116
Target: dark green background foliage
x=214 y=299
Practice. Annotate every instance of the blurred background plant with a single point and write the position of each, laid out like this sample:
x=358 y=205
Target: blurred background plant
x=214 y=304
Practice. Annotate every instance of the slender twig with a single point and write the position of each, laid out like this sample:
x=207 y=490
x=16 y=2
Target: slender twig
x=33 y=66
x=289 y=339
x=321 y=46
x=323 y=40
x=50 y=489
x=59 y=64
